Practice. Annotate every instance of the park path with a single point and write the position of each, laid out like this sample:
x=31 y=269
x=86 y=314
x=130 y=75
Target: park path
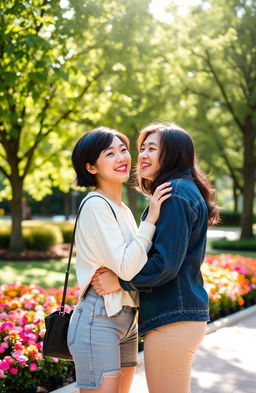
x=225 y=362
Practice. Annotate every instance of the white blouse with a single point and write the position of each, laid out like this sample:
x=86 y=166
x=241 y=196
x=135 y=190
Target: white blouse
x=101 y=240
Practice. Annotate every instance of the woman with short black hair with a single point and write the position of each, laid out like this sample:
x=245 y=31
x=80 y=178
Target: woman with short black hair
x=102 y=334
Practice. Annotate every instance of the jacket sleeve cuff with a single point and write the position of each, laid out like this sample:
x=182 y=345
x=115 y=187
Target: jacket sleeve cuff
x=147 y=229
x=127 y=285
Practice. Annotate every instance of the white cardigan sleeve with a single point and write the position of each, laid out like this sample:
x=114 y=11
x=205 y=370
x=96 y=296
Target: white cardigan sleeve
x=99 y=232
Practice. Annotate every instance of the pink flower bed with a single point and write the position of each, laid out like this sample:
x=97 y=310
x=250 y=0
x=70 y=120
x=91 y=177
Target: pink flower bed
x=230 y=281
x=22 y=312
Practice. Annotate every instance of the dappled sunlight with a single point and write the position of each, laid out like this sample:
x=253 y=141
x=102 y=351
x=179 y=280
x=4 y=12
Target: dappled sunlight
x=224 y=361
x=45 y=273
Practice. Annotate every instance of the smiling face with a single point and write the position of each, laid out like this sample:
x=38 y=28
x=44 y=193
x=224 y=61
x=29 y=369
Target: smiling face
x=113 y=164
x=148 y=159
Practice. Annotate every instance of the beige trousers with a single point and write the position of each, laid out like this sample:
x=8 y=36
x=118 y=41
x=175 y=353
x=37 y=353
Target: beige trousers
x=168 y=353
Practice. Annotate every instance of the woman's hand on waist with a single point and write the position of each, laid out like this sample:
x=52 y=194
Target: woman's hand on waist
x=105 y=282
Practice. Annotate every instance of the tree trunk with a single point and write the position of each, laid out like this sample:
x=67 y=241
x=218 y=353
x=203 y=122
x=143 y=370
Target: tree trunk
x=235 y=197
x=16 y=240
x=249 y=183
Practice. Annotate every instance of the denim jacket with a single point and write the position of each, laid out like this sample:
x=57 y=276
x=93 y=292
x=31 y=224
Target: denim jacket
x=171 y=284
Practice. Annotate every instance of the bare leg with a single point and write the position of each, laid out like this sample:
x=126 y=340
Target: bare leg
x=126 y=378
x=111 y=384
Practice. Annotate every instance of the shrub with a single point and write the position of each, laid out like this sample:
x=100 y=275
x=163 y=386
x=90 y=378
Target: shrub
x=241 y=244
x=36 y=237
x=41 y=238
x=66 y=228
x=4 y=236
x=229 y=218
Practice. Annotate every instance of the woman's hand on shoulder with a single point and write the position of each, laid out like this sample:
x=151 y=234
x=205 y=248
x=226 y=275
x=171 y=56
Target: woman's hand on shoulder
x=105 y=282
x=161 y=193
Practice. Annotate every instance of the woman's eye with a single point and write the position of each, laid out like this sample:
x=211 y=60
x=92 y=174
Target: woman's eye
x=109 y=154
x=124 y=150
x=151 y=149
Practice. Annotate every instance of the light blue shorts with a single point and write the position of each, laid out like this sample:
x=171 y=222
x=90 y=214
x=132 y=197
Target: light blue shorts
x=101 y=344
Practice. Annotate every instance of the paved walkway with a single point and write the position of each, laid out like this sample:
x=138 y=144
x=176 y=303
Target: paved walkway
x=225 y=362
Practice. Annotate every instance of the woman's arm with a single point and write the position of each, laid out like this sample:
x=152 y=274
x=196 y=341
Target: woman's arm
x=167 y=253
x=101 y=233
x=169 y=248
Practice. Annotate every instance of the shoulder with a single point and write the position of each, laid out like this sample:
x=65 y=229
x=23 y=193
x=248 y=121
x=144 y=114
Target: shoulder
x=94 y=205
x=186 y=188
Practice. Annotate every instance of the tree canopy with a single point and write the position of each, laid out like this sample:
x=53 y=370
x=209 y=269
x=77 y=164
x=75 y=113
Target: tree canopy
x=67 y=66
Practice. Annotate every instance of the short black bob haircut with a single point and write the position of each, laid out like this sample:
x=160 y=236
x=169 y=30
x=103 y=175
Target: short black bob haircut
x=88 y=149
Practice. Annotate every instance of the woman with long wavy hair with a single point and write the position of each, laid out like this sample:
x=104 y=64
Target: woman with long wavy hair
x=173 y=302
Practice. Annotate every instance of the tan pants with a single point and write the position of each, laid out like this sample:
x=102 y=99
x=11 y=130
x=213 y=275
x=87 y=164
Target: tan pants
x=168 y=353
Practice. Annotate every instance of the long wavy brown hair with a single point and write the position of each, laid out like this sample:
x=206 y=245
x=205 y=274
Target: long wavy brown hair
x=177 y=155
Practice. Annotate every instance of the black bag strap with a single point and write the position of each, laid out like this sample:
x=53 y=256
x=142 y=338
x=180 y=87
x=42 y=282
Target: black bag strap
x=71 y=250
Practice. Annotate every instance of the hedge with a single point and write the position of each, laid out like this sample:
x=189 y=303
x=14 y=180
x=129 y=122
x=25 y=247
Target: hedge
x=241 y=244
x=36 y=237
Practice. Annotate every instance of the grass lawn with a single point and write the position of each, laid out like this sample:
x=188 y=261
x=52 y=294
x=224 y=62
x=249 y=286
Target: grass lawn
x=50 y=274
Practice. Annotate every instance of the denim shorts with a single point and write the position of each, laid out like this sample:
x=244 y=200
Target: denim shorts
x=101 y=344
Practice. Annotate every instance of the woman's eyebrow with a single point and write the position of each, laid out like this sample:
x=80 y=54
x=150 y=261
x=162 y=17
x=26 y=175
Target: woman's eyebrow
x=149 y=143
x=111 y=147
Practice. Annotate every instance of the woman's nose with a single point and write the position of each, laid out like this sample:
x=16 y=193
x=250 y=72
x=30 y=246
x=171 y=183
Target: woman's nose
x=143 y=154
x=120 y=156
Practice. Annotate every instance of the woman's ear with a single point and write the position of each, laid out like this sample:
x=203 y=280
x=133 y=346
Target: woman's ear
x=90 y=168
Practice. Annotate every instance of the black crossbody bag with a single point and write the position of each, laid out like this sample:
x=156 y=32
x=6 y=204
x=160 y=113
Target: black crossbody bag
x=55 y=338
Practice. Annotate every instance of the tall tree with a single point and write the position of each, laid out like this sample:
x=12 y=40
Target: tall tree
x=215 y=61
x=56 y=65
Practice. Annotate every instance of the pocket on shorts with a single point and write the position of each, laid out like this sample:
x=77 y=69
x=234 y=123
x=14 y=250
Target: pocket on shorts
x=72 y=329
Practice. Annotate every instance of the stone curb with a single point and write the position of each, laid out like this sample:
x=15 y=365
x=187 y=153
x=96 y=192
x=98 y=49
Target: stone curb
x=229 y=320
x=211 y=327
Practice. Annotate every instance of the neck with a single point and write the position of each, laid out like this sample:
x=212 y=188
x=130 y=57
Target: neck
x=112 y=192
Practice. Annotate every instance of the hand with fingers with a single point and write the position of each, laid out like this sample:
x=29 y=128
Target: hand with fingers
x=161 y=193
x=105 y=281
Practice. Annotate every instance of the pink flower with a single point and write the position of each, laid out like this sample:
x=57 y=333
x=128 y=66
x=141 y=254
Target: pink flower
x=39 y=345
x=13 y=370
x=9 y=359
x=18 y=355
x=7 y=325
x=4 y=364
x=18 y=346
x=33 y=366
x=1 y=373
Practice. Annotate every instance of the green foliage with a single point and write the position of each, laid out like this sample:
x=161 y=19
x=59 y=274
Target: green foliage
x=60 y=65
x=41 y=238
x=36 y=237
x=4 y=236
x=66 y=67
x=229 y=218
x=241 y=244
x=66 y=228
